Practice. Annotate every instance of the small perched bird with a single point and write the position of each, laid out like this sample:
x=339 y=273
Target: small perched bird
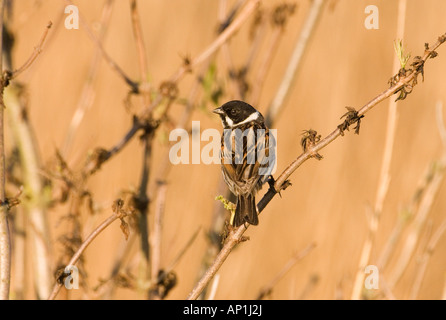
x=247 y=156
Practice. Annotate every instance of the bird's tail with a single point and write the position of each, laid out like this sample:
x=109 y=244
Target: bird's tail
x=246 y=211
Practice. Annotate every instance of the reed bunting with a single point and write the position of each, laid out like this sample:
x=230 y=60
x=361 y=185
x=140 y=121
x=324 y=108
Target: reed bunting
x=247 y=156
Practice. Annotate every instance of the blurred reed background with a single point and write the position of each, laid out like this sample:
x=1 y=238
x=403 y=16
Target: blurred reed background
x=333 y=205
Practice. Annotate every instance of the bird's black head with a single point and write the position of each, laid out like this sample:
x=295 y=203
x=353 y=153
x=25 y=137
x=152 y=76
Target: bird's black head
x=236 y=112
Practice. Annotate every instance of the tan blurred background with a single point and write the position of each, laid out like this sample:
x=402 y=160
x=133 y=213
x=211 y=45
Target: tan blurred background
x=344 y=65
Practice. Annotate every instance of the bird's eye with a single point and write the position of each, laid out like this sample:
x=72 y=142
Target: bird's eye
x=233 y=112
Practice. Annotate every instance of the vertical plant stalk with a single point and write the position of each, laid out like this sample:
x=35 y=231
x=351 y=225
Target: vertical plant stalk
x=5 y=240
x=87 y=96
x=415 y=228
x=436 y=175
x=248 y=9
x=294 y=63
x=35 y=203
x=265 y=65
x=156 y=236
x=265 y=291
x=142 y=53
x=384 y=177
x=132 y=84
x=58 y=285
x=143 y=207
x=424 y=259
x=19 y=259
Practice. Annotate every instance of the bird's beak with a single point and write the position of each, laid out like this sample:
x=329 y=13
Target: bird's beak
x=218 y=111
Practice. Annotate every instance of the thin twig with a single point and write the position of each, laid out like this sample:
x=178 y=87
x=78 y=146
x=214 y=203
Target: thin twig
x=142 y=53
x=87 y=95
x=180 y=254
x=30 y=164
x=34 y=55
x=221 y=39
x=265 y=65
x=214 y=287
x=156 y=235
x=143 y=208
x=207 y=53
x=133 y=85
x=137 y=31
x=434 y=179
x=440 y=123
x=294 y=63
x=5 y=240
x=415 y=227
x=36 y=209
x=384 y=178
x=84 y=246
x=235 y=91
x=266 y=290
x=398 y=86
x=443 y=296
x=425 y=259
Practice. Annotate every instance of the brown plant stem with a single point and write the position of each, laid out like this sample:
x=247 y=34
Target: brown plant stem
x=87 y=95
x=133 y=85
x=294 y=63
x=424 y=259
x=156 y=236
x=35 y=202
x=34 y=55
x=266 y=290
x=83 y=247
x=142 y=53
x=221 y=39
x=384 y=177
x=5 y=240
x=143 y=211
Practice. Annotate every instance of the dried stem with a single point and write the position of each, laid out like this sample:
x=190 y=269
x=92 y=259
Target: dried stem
x=137 y=31
x=440 y=123
x=35 y=200
x=424 y=259
x=415 y=227
x=233 y=239
x=265 y=65
x=142 y=53
x=384 y=178
x=34 y=55
x=35 y=203
x=292 y=262
x=434 y=179
x=156 y=235
x=214 y=287
x=221 y=39
x=143 y=208
x=443 y=296
x=296 y=57
x=87 y=96
x=403 y=81
x=5 y=240
x=133 y=85
x=84 y=246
